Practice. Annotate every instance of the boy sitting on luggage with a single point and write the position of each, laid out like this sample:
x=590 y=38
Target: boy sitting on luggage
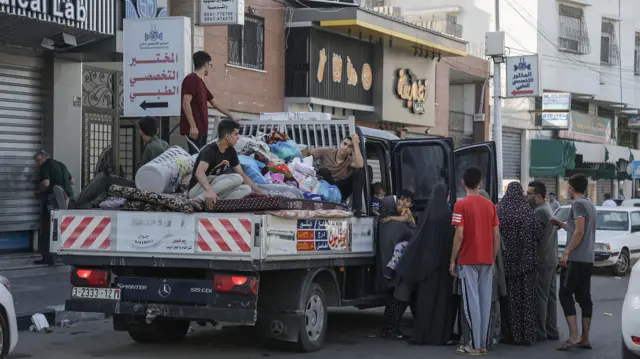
x=403 y=206
x=376 y=200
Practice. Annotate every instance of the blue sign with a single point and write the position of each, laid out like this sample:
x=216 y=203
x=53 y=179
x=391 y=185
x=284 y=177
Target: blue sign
x=634 y=121
x=635 y=170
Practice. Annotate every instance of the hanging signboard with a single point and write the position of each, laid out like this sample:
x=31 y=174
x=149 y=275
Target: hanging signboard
x=157 y=57
x=556 y=101
x=555 y=120
x=522 y=76
x=221 y=12
x=634 y=121
x=411 y=90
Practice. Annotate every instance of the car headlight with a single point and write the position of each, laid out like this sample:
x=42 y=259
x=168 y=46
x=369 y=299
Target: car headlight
x=603 y=247
x=5 y=282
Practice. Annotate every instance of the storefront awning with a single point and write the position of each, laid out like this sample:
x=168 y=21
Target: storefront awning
x=550 y=158
x=591 y=152
x=617 y=153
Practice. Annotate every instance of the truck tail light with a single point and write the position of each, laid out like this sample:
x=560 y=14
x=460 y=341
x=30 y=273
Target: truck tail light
x=90 y=278
x=239 y=284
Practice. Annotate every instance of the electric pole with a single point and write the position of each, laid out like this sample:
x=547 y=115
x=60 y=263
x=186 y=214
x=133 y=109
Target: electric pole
x=497 y=106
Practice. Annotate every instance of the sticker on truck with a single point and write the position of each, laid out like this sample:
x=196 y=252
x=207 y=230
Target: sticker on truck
x=323 y=235
x=85 y=232
x=224 y=235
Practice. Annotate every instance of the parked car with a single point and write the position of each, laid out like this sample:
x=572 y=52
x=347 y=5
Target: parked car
x=8 y=321
x=632 y=202
x=631 y=316
x=617 y=237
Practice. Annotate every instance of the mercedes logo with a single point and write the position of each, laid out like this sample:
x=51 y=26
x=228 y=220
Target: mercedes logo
x=276 y=327
x=164 y=290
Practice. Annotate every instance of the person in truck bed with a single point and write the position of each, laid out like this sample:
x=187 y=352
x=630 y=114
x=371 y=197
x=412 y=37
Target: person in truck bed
x=154 y=146
x=342 y=167
x=210 y=180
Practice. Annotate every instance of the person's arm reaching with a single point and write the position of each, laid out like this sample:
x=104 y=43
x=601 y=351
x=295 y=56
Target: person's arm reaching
x=210 y=196
x=248 y=181
x=402 y=218
x=315 y=152
x=217 y=106
x=358 y=160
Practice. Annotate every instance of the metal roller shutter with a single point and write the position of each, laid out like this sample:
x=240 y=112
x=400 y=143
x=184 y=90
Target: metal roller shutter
x=603 y=186
x=550 y=183
x=511 y=152
x=20 y=138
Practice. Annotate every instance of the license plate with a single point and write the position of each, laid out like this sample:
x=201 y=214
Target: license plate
x=96 y=293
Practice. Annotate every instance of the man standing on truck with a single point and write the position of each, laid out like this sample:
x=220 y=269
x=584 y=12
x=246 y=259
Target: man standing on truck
x=153 y=145
x=342 y=167
x=194 y=115
x=54 y=192
x=477 y=241
x=211 y=180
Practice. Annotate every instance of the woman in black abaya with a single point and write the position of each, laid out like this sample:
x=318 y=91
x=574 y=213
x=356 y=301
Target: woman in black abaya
x=425 y=267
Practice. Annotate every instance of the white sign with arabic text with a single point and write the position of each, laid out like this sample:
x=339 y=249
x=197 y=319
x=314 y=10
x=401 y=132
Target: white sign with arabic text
x=157 y=57
x=155 y=232
x=522 y=76
x=221 y=12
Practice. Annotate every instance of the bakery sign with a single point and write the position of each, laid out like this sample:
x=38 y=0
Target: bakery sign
x=411 y=90
x=65 y=10
x=337 y=66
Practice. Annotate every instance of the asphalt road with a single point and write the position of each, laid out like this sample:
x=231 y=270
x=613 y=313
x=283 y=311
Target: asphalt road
x=352 y=334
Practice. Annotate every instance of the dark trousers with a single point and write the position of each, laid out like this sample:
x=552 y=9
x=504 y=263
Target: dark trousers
x=575 y=281
x=354 y=184
x=393 y=312
x=44 y=236
x=194 y=146
x=546 y=295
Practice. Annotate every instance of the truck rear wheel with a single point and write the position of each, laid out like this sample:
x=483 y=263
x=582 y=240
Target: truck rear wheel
x=313 y=324
x=161 y=330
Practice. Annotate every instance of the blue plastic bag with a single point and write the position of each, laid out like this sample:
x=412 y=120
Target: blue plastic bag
x=252 y=169
x=287 y=150
x=329 y=192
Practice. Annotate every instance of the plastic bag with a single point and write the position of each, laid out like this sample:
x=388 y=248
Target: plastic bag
x=286 y=150
x=252 y=168
x=329 y=192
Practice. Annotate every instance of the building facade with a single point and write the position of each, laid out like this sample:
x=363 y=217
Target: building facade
x=41 y=99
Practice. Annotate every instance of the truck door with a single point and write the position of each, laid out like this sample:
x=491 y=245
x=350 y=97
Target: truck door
x=418 y=164
x=483 y=156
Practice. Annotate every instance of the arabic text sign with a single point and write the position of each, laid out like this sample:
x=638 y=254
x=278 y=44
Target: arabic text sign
x=157 y=57
x=155 y=232
x=221 y=12
x=522 y=76
x=555 y=120
x=556 y=101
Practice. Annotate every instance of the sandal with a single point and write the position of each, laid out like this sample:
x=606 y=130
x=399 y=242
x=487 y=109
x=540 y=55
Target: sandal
x=567 y=346
x=586 y=346
x=466 y=350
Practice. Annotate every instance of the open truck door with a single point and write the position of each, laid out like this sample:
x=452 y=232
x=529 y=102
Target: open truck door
x=483 y=156
x=418 y=164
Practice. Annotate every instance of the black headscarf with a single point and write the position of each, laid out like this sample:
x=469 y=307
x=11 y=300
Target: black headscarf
x=431 y=244
x=520 y=231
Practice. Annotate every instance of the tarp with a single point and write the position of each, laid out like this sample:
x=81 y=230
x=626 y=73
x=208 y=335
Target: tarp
x=550 y=158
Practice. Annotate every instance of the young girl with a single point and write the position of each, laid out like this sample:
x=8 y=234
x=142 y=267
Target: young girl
x=403 y=206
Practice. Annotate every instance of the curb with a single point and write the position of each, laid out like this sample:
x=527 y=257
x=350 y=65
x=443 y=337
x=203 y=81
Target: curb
x=55 y=315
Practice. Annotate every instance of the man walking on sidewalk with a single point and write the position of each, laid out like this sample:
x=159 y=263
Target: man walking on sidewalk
x=477 y=241
x=547 y=263
x=54 y=192
x=194 y=116
x=577 y=261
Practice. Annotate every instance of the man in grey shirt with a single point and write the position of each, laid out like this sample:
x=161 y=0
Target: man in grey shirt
x=553 y=202
x=577 y=261
x=546 y=295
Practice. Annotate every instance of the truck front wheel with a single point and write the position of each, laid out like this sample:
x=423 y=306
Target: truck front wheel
x=313 y=324
x=161 y=330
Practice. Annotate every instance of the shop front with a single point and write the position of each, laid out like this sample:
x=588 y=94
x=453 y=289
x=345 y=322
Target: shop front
x=38 y=39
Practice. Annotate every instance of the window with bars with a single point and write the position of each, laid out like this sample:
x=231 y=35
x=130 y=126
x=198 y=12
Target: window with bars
x=246 y=43
x=636 y=56
x=573 y=34
x=609 y=52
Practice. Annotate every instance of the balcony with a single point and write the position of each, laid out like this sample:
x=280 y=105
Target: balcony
x=443 y=26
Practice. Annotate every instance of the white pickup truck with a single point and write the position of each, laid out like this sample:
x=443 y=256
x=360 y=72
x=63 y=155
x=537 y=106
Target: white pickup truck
x=155 y=272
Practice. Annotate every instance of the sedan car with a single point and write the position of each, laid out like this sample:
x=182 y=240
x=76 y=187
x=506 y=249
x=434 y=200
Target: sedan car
x=617 y=237
x=631 y=316
x=8 y=321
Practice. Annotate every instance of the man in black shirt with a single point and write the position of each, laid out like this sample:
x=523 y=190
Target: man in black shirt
x=211 y=179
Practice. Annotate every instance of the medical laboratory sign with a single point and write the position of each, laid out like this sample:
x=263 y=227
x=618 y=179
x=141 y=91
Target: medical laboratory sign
x=522 y=76
x=157 y=57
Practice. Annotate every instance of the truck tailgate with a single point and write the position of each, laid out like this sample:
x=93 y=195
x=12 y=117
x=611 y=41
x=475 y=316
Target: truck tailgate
x=212 y=236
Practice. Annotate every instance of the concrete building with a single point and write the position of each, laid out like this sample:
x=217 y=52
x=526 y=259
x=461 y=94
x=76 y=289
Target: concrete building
x=585 y=47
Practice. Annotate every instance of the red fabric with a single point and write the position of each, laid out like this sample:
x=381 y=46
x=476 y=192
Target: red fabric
x=195 y=86
x=277 y=136
x=477 y=215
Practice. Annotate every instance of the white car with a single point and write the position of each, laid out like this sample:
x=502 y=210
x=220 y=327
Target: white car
x=8 y=321
x=617 y=237
x=631 y=316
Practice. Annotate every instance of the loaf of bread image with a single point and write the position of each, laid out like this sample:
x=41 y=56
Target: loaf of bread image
x=336 y=67
x=322 y=62
x=352 y=74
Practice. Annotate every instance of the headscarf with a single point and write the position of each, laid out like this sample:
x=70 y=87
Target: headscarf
x=430 y=246
x=520 y=231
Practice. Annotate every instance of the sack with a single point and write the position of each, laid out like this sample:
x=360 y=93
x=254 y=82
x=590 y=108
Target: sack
x=286 y=150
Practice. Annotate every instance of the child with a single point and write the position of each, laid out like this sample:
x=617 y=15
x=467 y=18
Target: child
x=403 y=206
x=376 y=200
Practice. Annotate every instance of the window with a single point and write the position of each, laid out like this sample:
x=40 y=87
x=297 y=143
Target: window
x=246 y=43
x=609 y=53
x=481 y=160
x=573 y=35
x=421 y=168
x=636 y=57
x=612 y=221
x=635 y=219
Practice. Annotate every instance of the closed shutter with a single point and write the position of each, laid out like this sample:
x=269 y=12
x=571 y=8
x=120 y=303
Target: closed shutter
x=603 y=186
x=20 y=138
x=550 y=183
x=511 y=153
